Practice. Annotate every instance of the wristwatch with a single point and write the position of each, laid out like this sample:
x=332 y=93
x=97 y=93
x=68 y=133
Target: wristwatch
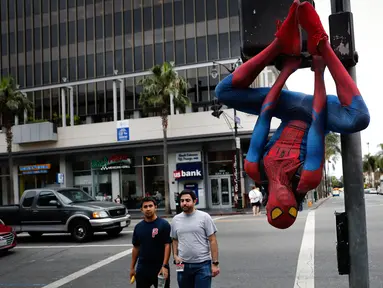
x=216 y=263
x=166 y=266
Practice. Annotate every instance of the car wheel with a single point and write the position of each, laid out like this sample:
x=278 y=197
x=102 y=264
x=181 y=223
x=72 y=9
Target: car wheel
x=81 y=231
x=114 y=232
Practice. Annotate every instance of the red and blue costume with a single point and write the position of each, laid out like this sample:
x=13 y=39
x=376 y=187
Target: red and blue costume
x=291 y=162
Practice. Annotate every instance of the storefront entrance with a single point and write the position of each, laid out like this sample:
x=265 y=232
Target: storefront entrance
x=220 y=188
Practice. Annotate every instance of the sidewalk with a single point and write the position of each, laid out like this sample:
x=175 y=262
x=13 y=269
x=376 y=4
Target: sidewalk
x=225 y=212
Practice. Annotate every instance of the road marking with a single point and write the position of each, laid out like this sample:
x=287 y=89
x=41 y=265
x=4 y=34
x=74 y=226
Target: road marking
x=88 y=269
x=304 y=277
x=218 y=218
x=71 y=246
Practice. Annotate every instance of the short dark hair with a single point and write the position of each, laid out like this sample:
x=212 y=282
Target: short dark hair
x=148 y=199
x=188 y=192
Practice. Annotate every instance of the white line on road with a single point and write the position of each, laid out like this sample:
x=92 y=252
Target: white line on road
x=219 y=218
x=72 y=246
x=87 y=270
x=304 y=277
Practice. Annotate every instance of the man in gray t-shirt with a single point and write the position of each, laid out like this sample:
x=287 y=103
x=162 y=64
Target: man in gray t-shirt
x=195 y=246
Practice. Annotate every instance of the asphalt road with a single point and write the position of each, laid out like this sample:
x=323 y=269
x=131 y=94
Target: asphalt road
x=252 y=254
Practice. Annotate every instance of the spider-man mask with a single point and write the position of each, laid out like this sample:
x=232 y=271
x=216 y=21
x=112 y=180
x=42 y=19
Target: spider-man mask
x=282 y=208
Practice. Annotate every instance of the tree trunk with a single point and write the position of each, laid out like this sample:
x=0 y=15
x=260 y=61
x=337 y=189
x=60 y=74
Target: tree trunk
x=166 y=170
x=9 y=137
x=325 y=180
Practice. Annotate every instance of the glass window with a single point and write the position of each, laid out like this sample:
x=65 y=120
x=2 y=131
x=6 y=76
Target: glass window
x=37 y=105
x=54 y=5
x=190 y=50
x=46 y=73
x=45 y=37
x=54 y=36
x=12 y=43
x=235 y=44
x=128 y=60
x=178 y=13
x=20 y=76
x=28 y=198
x=158 y=51
x=168 y=15
x=20 y=6
x=55 y=71
x=233 y=8
x=189 y=8
x=28 y=40
x=138 y=58
x=81 y=67
x=148 y=56
x=4 y=42
x=46 y=104
x=36 y=7
x=222 y=9
x=62 y=34
x=80 y=30
x=118 y=24
x=224 y=45
x=108 y=25
x=200 y=10
x=89 y=29
x=201 y=48
x=36 y=34
x=72 y=3
x=211 y=10
x=100 y=98
x=99 y=30
x=64 y=67
x=29 y=71
x=72 y=68
x=132 y=187
x=3 y=12
x=180 y=52
x=81 y=102
x=169 y=51
x=45 y=6
x=100 y=64
x=212 y=47
x=90 y=65
x=20 y=41
x=71 y=32
x=148 y=17
x=118 y=60
x=62 y=4
x=11 y=9
x=109 y=63
x=45 y=199
x=158 y=16
x=137 y=20
x=102 y=184
x=128 y=22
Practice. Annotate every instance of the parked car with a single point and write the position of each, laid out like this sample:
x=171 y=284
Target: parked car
x=8 y=238
x=64 y=210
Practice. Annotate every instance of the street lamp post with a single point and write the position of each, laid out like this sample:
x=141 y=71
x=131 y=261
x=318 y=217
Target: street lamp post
x=341 y=23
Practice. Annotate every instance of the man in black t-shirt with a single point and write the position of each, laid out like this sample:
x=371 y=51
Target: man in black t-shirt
x=151 y=247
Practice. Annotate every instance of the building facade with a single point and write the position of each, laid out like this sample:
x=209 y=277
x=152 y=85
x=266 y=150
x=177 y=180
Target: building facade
x=80 y=62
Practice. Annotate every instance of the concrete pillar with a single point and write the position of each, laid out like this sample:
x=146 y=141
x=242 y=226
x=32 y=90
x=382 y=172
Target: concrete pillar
x=4 y=185
x=16 y=120
x=71 y=107
x=114 y=101
x=63 y=107
x=122 y=99
x=115 y=183
x=136 y=114
x=171 y=104
x=25 y=116
x=16 y=192
x=66 y=169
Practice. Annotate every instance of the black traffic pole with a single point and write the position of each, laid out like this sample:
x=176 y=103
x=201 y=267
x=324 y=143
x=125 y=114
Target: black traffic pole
x=352 y=164
x=238 y=163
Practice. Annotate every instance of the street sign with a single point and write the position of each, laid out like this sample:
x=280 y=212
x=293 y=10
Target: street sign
x=123 y=130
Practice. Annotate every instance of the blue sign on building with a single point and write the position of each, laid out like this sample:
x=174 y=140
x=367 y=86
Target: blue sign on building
x=123 y=130
x=188 y=171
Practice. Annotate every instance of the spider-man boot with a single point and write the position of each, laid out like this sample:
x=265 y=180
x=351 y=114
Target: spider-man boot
x=287 y=41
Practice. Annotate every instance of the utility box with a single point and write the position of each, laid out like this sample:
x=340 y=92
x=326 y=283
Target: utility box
x=258 y=25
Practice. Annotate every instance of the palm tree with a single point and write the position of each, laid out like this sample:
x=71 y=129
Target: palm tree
x=332 y=152
x=369 y=165
x=158 y=89
x=12 y=103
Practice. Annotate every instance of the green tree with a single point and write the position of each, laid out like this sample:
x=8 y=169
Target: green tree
x=12 y=103
x=159 y=88
x=332 y=153
x=370 y=166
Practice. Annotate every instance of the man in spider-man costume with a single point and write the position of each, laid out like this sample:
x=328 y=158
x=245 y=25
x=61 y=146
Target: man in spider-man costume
x=291 y=162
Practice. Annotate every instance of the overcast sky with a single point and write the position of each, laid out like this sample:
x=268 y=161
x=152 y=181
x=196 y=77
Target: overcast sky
x=369 y=46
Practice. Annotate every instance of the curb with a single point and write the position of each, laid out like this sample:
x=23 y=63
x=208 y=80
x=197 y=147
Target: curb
x=166 y=216
x=319 y=204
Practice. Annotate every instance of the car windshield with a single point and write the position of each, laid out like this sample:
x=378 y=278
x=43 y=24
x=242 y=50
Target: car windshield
x=74 y=196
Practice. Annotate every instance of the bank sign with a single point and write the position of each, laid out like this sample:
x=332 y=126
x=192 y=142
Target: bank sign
x=188 y=171
x=187 y=157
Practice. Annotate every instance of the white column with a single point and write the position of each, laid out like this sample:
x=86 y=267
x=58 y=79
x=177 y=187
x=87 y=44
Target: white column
x=63 y=107
x=115 y=183
x=16 y=120
x=15 y=175
x=66 y=169
x=171 y=104
x=71 y=107
x=114 y=101
x=25 y=116
x=122 y=99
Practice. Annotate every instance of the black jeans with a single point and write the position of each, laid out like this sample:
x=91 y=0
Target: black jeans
x=145 y=279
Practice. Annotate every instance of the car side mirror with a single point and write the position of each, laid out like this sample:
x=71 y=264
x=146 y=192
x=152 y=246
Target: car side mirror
x=54 y=203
